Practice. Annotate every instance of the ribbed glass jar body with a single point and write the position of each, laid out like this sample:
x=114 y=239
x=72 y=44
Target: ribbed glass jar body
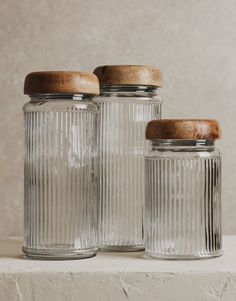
x=183 y=200
x=60 y=211
x=124 y=113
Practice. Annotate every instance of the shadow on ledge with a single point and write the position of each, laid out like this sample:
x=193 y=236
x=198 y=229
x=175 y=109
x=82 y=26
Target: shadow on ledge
x=11 y=248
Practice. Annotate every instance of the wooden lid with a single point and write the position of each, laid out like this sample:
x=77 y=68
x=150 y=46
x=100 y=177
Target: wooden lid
x=190 y=129
x=47 y=82
x=129 y=75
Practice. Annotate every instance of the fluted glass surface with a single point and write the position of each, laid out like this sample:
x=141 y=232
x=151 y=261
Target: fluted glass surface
x=121 y=143
x=183 y=200
x=60 y=210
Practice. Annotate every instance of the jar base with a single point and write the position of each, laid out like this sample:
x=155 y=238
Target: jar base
x=183 y=257
x=40 y=254
x=113 y=248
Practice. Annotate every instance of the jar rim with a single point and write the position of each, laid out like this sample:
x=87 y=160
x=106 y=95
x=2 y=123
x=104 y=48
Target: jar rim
x=181 y=142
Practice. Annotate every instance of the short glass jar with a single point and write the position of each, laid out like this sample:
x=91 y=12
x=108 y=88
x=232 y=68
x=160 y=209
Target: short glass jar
x=60 y=210
x=183 y=190
x=128 y=100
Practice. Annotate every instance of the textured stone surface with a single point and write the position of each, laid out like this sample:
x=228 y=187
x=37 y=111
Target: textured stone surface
x=193 y=42
x=116 y=276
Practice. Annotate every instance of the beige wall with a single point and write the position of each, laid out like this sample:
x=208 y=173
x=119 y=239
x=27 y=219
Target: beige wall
x=193 y=42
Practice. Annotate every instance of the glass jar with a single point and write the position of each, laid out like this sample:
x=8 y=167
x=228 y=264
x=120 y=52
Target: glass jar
x=60 y=211
x=183 y=190
x=128 y=100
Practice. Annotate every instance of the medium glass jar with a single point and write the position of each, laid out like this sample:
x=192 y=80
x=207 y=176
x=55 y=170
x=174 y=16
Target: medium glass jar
x=183 y=190
x=128 y=100
x=60 y=210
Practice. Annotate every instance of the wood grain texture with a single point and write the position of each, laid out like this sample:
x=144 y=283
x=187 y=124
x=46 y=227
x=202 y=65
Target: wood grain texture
x=190 y=129
x=129 y=75
x=61 y=82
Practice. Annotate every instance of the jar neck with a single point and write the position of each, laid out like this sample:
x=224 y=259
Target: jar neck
x=56 y=96
x=182 y=143
x=128 y=91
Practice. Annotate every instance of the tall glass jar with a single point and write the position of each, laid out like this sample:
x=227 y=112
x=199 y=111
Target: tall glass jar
x=128 y=100
x=60 y=211
x=183 y=190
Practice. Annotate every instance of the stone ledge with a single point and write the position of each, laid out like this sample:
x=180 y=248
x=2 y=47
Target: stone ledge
x=116 y=276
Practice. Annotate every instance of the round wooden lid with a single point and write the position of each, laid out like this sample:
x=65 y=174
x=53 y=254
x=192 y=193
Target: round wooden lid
x=190 y=129
x=64 y=82
x=129 y=75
